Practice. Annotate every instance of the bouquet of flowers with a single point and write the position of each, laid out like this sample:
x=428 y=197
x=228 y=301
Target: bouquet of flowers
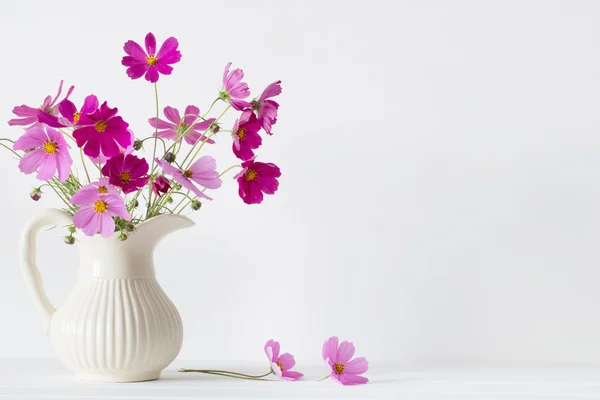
x=116 y=187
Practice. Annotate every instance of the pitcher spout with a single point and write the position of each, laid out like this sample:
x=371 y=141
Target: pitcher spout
x=149 y=233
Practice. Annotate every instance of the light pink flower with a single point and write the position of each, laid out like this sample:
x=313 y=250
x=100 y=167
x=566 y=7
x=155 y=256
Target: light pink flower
x=234 y=90
x=47 y=152
x=282 y=364
x=177 y=125
x=30 y=116
x=341 y=368
x=96 y=211
x=266 y=110
x=203 y=172
x=101 y=186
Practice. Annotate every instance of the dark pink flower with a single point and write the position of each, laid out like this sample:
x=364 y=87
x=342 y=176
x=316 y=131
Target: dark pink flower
x=342 y=369
x=102 y=131
x=69 y=115
x=47 y=152
x=178 y=126
x=161 y=185
x=96 y=211
x=234 y=90
x=122 y=150
x=30 y=116
x=127 y=172
x=255 y=179
x=266 y=109
x=245 y=136
x=203 y=172
x=281 y=364
x=150 y=62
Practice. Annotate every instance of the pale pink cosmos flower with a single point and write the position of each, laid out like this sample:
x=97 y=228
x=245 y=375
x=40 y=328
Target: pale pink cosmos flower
x=281 y=364
x=176 y=126
x=96 y=211
x=30 y=116
x=342 y=369
x=101 y=186
x=266 y=110
x=234 y=90
x=203 y=172
x=47 y=152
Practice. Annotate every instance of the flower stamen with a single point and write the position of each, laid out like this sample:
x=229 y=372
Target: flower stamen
x=188 y=173
x=338 y=368
x=250 y=175
x=100 y=206
x=241 y=133
x=50 y=147
x=152 y=60
x=102 y=189
x=101 y=126
x=125 y=177
x=279 y=365
x=76 y=117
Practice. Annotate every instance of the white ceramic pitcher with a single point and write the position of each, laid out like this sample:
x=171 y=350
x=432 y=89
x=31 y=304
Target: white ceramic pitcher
x=117 y=325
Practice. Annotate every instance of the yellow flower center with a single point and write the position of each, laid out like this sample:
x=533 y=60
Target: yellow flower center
x=188 y=173
x=101 y=126
x=279 y=365
x=241 y=133
x=125 y=176
x=152 y=60
x=250 y=175
x=100 y=206
x=102 y=189
x=76 y=117
x=338 y=368
x=50 y=147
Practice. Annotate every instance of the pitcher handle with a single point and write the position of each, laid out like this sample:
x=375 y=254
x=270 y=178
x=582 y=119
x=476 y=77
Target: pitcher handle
x=27 y=252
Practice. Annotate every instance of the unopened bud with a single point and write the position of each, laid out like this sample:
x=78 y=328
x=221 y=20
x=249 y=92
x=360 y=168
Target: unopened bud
x=36 y=194
x=123 y=237
x=137 y=144
x=169 y=199
x=214 y=127
x=72 y=229
x=69 y=240
x=169 y=157
x=135 y=203
x=196 y=205
x=129 y=227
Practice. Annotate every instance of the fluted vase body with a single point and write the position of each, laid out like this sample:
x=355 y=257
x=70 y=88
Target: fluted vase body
x=118 y=325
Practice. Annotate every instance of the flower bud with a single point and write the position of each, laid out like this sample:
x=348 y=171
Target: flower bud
x=214 y=127
x=196 y=205
x=129 y=227
x=137 y=144
x=123 y=237
x=72 y=229
x=69 y=239
x=169 y=199
x=169 y=157
x=135 y=203
x=36 y=194
x=177 y=186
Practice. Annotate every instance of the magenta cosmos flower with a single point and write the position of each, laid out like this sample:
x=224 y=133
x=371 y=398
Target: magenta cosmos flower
x=127 y=172
x=160 y=185
x=30 y=116
x=69 y=115
x=96 y=211
x=234 y=90
x=282 y=364
x=47 y=152
x=176 y=126
x=255 y=179
x=203 y=172
x=150 y=62
x=102 y=132
x=245 y=136
x=342 y=369
x=101 y=186
x=266 y=109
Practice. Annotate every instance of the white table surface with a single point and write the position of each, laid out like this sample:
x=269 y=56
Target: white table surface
x=47 y=379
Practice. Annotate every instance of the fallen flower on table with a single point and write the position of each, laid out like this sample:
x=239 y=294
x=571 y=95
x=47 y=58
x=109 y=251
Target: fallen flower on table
x=342 y=369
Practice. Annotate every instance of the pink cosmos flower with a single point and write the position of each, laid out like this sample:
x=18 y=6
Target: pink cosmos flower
x=234 y=90
x=255 y=179
x=101 y=186
x=267 y=109
x=245 y=136
x=31 y=117
x=69 y=115
x=47 y=152
x=341 y=368
x=202 y=171
x=102 y=132
x=122 y=150
x=161 y=185
x=177 y=125
x=127 y=172
x=150 y=62
x=96 y=211
x=281 y=364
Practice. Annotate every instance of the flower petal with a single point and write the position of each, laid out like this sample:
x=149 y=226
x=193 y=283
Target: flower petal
x=150 y=43
x=345 y=352
x=172 y=114
x=357 y=366
x=329 y=350
x=287 y=361
x=291 y=375
x=135 y=50
x=31 y=161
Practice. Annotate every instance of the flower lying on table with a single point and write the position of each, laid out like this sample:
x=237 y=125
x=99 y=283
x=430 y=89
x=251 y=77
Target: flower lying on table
x=112 y=185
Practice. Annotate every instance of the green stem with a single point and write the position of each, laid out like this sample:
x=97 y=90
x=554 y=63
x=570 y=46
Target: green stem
x=67 y=135
x=84 y=166
x=11 y=150
x=153 y=152
x=229 y=373
x=182 y=200
x=155 y=139
x=205 y=138
x=321 y=380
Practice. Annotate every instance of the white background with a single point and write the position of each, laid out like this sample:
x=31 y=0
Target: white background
x=440 y=186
